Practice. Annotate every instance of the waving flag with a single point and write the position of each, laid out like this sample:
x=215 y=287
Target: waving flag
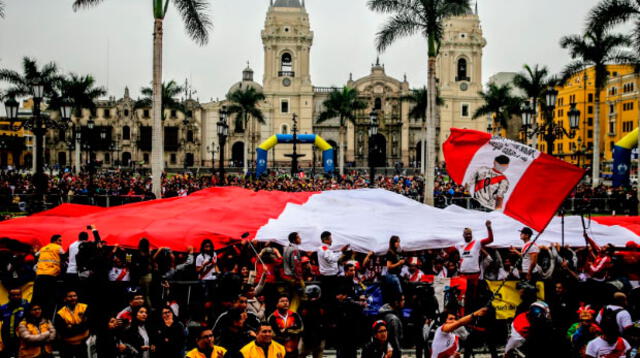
x=508 y=176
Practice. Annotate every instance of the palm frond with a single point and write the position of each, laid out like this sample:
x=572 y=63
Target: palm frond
x=612 y=12
x=400 y=25
x=195 y=17
x=80 y=4
x=1 y=9
x=572 y=69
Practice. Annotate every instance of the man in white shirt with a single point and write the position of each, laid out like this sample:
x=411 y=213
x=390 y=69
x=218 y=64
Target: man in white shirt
x=623 y=318
x=469 y=251
x=609 y=345
x=328 y=263
x=529 y=254
x=445 y=342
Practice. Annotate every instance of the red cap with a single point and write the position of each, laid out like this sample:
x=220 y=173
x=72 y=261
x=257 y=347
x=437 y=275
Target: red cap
x=631 y=244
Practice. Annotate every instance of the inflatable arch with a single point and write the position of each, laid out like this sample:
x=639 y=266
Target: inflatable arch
x=622 y=158
x=263 y=149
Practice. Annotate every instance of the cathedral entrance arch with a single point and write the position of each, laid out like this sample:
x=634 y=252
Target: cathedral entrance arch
x=328 y=157
x=378 y=151
x=237 y=154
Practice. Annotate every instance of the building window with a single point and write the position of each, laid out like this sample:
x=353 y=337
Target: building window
x=107 y=158
x=377 y=103
x=174 y=113
x=126 y=133
x=590 y=98
x=612 y=127
x=560 y=113
x=173 y=158
x=145 y=158
x=590 y=121
x=590 y=133
x=284 y=129
x=462 y=70
x=572 y=98
x=590 y=109
x=560 y=101
x=627 y=126
x=106 y=113
x=286 y=62
x=190 y=136
x=628 y=106
x=612 y=109
x=284 y=106
x=465 y=110
x=560 y=148
x=145 y=113
x=611 y=145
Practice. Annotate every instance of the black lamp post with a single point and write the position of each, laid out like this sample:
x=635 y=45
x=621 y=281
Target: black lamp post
x=223 y=133
x=549 y=131
x=37 y=124
x=373 y=148
x=294 y=156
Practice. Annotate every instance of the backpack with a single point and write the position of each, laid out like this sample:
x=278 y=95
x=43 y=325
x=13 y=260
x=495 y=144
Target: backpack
x=608 y=317
x=85 y=257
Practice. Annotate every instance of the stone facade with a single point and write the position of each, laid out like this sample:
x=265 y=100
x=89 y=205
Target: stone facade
x=287 y=40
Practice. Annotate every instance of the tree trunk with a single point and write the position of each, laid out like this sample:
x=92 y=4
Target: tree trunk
x=157 y=150
x=534 y=140
x=430 y=142
x=423 y=147
x=245 y=157
x=341 y=146
x=77 y=157
x=595 y=169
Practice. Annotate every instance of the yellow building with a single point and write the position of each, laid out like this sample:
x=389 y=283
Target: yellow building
x=618 y=114
x=16 y=146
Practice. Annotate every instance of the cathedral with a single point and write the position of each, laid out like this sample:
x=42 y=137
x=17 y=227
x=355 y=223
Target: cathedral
x=191 y=140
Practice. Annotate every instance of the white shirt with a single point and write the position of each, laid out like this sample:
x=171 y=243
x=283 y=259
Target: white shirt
x=201 y=259
x=526 y=259
x=328 y=261
x=445 y=344
x=623 y=318
x=599 y=348
x=73 y=251
x=469 y=256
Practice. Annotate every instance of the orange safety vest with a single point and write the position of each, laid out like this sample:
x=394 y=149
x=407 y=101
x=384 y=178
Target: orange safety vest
x=30 y=351
x=49 y=262
x=74 y=317
x=218 y=352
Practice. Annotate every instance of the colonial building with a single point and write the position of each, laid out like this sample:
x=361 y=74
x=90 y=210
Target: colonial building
x=122 y=133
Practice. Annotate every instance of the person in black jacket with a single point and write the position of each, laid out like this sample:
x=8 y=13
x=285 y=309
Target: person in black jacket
x=109 y=339
x=169 y=335
x=379 y=346
x=345 y=317
x=138 y=337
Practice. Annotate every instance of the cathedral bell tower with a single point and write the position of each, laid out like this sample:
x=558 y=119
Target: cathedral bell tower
x=459 y=72
x=287 y=40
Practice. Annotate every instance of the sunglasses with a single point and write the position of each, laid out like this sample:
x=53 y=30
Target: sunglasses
x=207 y=336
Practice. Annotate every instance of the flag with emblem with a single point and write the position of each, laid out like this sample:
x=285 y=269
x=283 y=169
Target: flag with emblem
x=508 y=176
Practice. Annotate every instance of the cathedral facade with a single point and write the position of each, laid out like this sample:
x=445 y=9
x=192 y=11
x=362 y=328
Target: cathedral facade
x=191 y=138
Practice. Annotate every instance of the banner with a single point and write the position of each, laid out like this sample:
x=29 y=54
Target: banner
x=508 y=299
x=508 y=176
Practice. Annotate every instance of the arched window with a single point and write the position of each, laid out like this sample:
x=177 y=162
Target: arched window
x=462 y=70
x=189 y=136
x=377 y=104
x=126 y=133
x=286 y=63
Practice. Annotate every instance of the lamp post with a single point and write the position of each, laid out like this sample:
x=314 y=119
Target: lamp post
x=223 y=133
x=38 y=125
x=294 y=156
x=549 y=131
x=373 y=148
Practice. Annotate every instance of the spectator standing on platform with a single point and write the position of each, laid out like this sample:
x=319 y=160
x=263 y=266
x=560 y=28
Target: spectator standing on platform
x=469 y=265
x=292 y=259
x=328 y=262
x=207 y=266
x=48 y=269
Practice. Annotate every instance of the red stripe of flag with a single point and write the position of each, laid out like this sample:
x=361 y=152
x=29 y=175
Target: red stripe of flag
x=459 y=149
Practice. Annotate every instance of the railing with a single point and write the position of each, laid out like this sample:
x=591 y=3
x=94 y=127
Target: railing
x=324 y=89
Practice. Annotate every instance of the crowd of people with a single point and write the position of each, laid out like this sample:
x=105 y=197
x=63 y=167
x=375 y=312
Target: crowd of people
x=267 y=301
x=124 y=186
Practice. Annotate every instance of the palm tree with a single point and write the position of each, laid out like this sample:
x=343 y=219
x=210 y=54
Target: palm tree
x=82 y=93
x=244 y=103
x=1 y=9
x=170 y=91
x=197 y=25
x=597 y=48
x=425 y=17
x=499 y=104
x=342 y=103
x=534 y=82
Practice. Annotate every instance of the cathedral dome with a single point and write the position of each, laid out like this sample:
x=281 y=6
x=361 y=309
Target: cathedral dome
x=287 y=3
x=247 y=81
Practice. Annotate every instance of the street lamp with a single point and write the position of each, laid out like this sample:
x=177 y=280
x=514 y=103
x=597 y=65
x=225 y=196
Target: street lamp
x=37 y=124
x=373 y=149
x=223 y=133
x=549 y=131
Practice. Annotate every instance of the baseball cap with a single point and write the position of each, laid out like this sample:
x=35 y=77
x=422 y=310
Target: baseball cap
x=526 y=230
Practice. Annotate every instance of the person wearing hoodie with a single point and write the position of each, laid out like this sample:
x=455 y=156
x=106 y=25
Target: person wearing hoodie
x=391 y=313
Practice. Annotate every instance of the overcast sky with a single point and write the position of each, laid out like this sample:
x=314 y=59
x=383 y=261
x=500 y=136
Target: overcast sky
x=113 y=41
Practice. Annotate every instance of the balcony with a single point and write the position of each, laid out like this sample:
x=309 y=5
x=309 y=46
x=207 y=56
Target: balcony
x=286 y=74
x=459 y=79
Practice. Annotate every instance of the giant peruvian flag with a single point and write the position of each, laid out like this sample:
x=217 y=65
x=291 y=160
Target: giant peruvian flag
x=508 y=176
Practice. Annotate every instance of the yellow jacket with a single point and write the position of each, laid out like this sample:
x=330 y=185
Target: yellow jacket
x=74 y=318
x=49 y=262
x=251 y=350
x=35 y=338
x=218 y=352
